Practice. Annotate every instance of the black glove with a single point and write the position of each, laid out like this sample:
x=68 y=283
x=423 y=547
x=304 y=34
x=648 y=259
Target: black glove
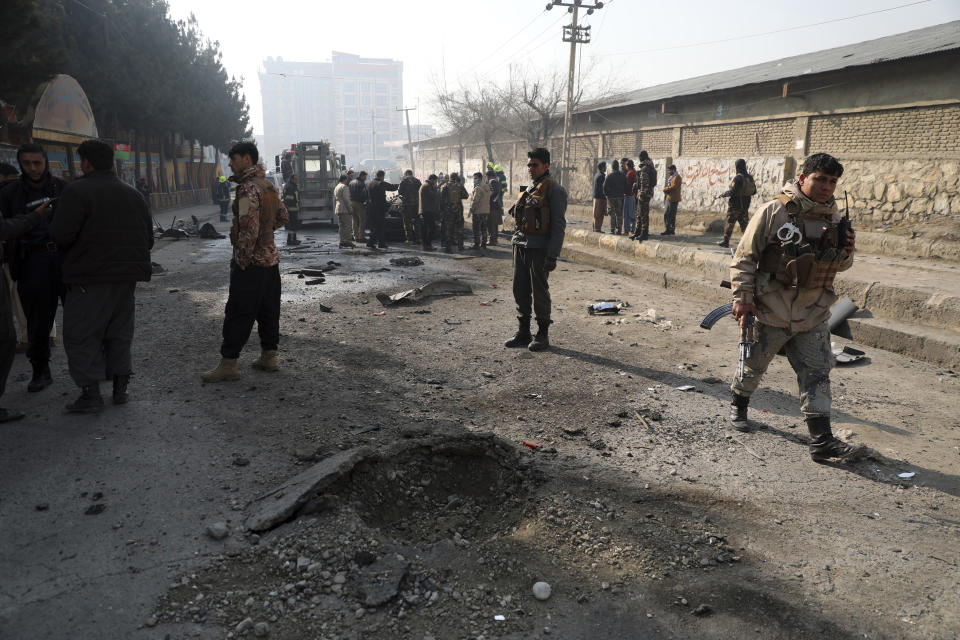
x=550 y=263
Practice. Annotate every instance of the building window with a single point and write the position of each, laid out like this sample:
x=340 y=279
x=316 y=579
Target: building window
x=365 y=98
x=349 y=99
x=381 y=100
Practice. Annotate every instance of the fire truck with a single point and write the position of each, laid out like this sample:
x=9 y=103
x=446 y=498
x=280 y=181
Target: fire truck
x=317 y=168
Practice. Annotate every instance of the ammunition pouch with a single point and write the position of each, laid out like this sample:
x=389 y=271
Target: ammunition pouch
x=532 y=210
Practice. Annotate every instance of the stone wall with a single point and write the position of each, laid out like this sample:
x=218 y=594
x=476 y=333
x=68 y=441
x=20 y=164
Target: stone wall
x=922 y=130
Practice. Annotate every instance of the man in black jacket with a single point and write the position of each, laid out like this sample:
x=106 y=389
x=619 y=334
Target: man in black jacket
x=410 y=195
x=105 y=230
x=599 y=200
x=377 y=191
x=10 y=229
x=614 y=186
x=429 y=209
x=34 y=258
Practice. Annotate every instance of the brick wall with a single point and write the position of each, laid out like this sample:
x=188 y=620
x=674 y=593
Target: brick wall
x=768 y=137
x=918 y=130
x=657 y=142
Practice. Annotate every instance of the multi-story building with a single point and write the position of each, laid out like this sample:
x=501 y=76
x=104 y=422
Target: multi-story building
x=351 y=101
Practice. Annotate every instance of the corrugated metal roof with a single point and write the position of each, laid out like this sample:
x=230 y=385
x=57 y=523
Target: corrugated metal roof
x=942 y=37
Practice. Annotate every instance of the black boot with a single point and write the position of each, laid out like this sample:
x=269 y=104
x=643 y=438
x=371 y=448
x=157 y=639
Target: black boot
x=738 y=413
x=41 y=378
x=540 y=341
x=523 y=337
x=724 y=243
x=120 y=389
x=823 y=445
x=90 y=400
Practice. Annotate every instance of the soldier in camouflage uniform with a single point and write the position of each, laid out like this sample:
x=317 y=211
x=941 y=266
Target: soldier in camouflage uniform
x=452 y=195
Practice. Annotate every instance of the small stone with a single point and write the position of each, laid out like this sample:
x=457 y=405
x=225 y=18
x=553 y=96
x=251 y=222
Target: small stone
x=340 y=578
x=261 y=629
x=605 y=586
x=487 y=374
x=95 y=509
x=43 y=506
x=703 y=610
x=243 y=625
x=218 y=530
x=241 y=462
x=152 y=621
x=542 y=590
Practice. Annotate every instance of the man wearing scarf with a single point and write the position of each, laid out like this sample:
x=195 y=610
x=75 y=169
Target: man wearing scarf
x=785 y=281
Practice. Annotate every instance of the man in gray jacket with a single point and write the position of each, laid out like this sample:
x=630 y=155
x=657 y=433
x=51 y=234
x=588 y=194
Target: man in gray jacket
x=614 y=186
x=540 y=218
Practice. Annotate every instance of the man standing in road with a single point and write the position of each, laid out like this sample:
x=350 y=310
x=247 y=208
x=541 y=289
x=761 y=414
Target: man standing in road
x=10 y=229
x=613 y=188
x=377 y=191
x=410 y=197
x=480 y=210
x=496 y=205
x=646 y=183
x=254 y=293
x=429 y=208
x=35 y=258
x=629 y=202
x=291 y=200
x=222 y=196
x=358 y=201
x=671 y=194
x=343 y=209
x=741 y=189
x=106 y=233
x=599 y=200
x=788 y=287
x=540 y=216
x=452 y=195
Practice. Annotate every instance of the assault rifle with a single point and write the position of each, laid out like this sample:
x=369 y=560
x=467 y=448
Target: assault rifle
x=845 y=225
x=747 y=339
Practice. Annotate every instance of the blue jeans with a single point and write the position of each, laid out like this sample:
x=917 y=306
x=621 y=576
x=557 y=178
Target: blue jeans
x=629 y=214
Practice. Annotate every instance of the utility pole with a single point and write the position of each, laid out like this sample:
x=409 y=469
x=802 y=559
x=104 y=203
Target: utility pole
x=406 y=112
x=373 y=138
x=574 y=34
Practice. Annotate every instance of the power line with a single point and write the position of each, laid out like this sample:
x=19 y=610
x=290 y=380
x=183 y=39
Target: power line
x=765 y=33
x=508 y=40
x=513 y=54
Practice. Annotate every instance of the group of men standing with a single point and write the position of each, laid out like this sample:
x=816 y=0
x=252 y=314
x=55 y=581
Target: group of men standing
x=85 y=245
x=624 y=196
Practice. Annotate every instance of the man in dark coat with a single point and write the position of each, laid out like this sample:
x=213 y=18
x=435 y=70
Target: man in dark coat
x=35 y=259
x=429 y=209
x=10 y=229
x=104 y=228
x=599 y=200
x=410 y=195
x=377 y=208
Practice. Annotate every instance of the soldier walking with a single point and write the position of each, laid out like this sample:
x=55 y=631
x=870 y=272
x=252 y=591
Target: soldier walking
x=787 y=285
x=480 y=211
x=410 y=197
x=452 y=195
x=646 y=183
x=742 y=187
x=540 y=218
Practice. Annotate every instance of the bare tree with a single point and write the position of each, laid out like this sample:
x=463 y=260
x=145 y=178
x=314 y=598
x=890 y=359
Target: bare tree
x=477 y=113
x=453 y=114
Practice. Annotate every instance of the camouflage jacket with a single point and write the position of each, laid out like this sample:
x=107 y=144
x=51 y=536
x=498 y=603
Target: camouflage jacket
x=257 y=213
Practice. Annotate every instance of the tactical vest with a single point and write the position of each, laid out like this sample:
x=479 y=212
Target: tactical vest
x=269 y=205
x=532 y=210
x=811 y=263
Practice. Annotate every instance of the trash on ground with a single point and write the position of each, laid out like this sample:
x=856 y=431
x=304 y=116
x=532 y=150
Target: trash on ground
x=436 y=288
x=315 y=281
x=534 y=396
x=686 y=387
x=208 y=232
x=325 y=308
x=848 y=355
x=451 y=321
x=380 y=313
x=531 y=445
x=908 y=474
x=307 y=272
x=607 y=307
x=412 y=261
x=653 y=316
x=156 y=267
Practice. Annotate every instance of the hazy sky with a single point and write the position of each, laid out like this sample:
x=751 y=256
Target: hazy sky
x=636 y=43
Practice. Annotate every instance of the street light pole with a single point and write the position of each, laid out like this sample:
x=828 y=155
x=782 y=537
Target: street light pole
x=406 y=112
x=574 y=34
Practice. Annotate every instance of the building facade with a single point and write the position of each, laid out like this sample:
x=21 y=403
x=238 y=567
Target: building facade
x=889 y=109
x=351 y=101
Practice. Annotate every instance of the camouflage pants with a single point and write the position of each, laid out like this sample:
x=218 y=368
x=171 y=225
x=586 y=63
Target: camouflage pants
x=481 y=226
x=643 y=217
x=451 y=228
x=411 y=222
x=615 y=211
x=733 y=217
x=810 y=356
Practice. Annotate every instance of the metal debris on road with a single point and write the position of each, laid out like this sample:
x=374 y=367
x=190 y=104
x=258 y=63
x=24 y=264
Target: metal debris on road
x=908 y=474
x=848 y=355
x=411 y=261
x=607 y=308
x=435 y=288
x=685 y=387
